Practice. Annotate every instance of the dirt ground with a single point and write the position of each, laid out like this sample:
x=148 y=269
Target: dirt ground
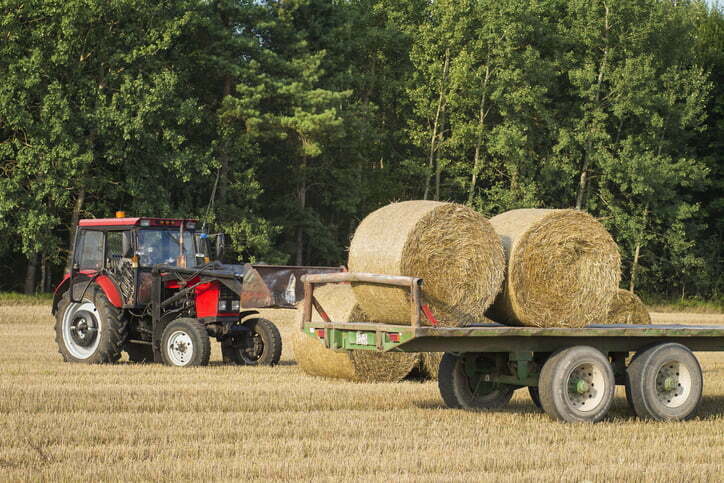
x=126 y=421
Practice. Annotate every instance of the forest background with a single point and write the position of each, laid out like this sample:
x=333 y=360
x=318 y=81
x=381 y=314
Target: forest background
x=283 y=123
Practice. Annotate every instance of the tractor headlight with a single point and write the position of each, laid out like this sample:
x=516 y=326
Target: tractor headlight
x=235 y=305
x=222 y=306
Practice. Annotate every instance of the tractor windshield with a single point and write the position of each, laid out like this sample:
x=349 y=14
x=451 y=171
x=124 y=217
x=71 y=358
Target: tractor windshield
x=163 y=247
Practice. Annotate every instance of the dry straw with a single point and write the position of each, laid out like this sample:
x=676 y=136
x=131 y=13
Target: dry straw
x=627 y=308
x=430 y=364
x=452 y=247
x=314 y=359
x=563 y=268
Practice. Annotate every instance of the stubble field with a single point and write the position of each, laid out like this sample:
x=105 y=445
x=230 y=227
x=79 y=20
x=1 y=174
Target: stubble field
x=149 y=422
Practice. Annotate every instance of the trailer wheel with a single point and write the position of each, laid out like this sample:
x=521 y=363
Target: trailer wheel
x=91 y=331
x=577 y=385
x=185 y=342
x=140 y=353
x=462 y=384
x=535 y=396
x=261 y=346
x=665 y=383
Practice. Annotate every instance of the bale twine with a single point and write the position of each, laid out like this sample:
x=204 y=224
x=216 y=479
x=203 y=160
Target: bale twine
x=627 y=308
x=364 y=366
x=563 y=268
x=452 y=247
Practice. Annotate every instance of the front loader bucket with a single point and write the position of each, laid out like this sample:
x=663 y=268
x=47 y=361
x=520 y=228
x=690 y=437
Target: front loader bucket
x=276 y=286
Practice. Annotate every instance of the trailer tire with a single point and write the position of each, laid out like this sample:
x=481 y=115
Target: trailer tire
x=185 y=343
x=459 y=390
x=91 y=331
x=665 y=383
x=577 y=385
x=445 y=380
x=262 y=347
x=139 y=353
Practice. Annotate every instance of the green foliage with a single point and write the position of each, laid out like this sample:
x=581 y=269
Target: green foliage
x=283 y=123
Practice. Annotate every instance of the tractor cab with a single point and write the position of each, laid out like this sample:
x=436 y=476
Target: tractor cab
x=127 y=249
x=149 y=287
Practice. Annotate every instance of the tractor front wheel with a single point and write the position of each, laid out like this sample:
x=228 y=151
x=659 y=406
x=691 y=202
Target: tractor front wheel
x=185 y=342
x=260 y=346
x=91 y=331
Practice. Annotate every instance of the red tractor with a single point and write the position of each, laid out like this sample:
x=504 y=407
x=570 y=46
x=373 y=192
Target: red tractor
x=147 y=286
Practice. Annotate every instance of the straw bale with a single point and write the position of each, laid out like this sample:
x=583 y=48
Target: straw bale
x=627 y=308
x=452 y=247
x=563 y=269
x=430 y=364
x=339 y=303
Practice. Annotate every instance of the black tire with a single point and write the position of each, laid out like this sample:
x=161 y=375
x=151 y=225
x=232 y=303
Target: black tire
x=185 y=343
x=665 y=383
x=101 y=334
x=535 y=396
x=140 y=353
x=459 y=390
x=262 y=346
x=445 y=380
x=567 y=385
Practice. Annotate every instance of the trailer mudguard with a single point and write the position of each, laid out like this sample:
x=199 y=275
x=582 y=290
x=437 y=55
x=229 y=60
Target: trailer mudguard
x=103 y=281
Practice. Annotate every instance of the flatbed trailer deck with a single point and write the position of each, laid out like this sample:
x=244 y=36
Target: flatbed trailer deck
x=570 y=372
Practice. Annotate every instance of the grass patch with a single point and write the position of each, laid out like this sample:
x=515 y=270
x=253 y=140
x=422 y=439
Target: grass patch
x=15 y=298
x=690 y=305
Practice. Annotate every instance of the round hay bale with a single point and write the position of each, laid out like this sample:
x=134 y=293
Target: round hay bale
x=563 y=268
x=627 y=308
x=364 y=366
x=452 y=247
x=430 y=364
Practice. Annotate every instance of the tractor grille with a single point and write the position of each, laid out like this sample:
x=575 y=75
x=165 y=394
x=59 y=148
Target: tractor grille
x=227 y=294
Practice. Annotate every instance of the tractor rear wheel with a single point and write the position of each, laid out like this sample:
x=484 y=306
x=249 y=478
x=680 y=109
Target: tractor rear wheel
x=185 y=342
x=261 y=346
x=141 y=353
x=91 y=331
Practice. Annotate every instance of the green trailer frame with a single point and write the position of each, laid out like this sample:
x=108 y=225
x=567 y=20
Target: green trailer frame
x=515 y=356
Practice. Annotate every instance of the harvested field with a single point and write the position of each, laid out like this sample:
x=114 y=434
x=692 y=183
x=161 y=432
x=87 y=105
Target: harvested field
x=563 y=268
x=139 y=422
x=451 y=247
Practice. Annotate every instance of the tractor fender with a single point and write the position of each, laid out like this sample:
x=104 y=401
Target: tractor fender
x=247 y=313
x=103 y=281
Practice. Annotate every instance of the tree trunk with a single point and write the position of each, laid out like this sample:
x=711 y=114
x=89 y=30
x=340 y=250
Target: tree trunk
x=588 y=148
x=433 y=138
x=479 y=142
x=634 y=268
x=30 y=274
x=438 y=168
x=302 y=199
x=74 y=218
x=43 y=273
x=637 y=252
x=224 y=150
x=582 y=182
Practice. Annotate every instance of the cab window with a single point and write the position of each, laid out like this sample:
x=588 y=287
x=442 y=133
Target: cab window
x=162 y=247
x=89 y=251
x=114 y=244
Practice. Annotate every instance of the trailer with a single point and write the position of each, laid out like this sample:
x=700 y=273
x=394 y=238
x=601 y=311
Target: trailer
x=570 y=373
